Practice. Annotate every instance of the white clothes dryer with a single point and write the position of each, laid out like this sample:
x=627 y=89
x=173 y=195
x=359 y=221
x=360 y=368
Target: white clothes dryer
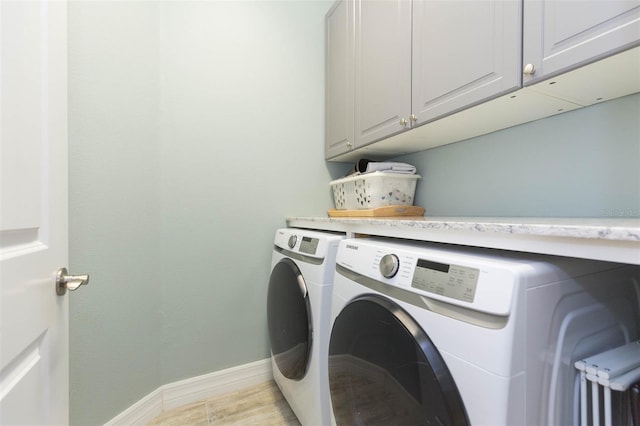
x=428 y=334
x=298 y=311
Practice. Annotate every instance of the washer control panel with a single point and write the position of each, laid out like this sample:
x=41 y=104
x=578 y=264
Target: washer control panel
x=455 y=281
x=476 y=279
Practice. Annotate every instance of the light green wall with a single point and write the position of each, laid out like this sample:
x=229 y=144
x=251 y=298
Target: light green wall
x=114 y=207
x=583 y=163
x=195 y=129
x=241 y=144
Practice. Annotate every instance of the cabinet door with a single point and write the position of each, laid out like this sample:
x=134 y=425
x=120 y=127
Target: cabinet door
x=464 y=52
x=560 y=35
x=339 y=79
x=382 y=69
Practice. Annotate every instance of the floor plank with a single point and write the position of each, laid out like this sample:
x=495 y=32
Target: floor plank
x=259 y=405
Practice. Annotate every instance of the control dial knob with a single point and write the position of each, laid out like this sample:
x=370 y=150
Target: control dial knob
x=389 y=265
x=292 y=241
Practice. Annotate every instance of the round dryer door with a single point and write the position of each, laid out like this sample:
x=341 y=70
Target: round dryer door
x=289 y=318
x=384 y=369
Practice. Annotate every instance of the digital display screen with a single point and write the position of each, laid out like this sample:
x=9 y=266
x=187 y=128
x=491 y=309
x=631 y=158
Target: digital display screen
x=442 y=267
x=309 y=245
x=457 y=282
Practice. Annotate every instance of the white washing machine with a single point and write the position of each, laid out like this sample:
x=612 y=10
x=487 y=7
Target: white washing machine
x=450 y=335
x=298 y=311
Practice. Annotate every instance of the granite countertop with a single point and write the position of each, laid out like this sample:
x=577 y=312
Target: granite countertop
x=622 y=229
x=611 y=239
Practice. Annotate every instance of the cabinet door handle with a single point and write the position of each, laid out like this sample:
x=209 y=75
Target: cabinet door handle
x=413 y=118
x=529 y=69
x=403 y=121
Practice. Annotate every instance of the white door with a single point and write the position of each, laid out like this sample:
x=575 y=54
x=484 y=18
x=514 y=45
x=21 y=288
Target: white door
x=34 y=358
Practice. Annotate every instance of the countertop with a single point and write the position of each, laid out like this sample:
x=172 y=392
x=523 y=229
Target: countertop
x=609 y=239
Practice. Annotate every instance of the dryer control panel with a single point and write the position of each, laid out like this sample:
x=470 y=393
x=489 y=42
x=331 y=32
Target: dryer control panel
x=308 y=243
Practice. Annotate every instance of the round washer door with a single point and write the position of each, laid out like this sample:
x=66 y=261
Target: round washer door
x=384 y=369
x=289 y=318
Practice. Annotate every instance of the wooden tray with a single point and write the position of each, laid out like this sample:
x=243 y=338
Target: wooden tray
x=385 y=211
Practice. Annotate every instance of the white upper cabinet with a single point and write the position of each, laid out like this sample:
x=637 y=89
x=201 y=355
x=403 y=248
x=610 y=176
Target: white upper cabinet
x=339 y=79
x=560 y=35
x=382 y=69
x=407 y=75
x=464 y=52
x=395 y=64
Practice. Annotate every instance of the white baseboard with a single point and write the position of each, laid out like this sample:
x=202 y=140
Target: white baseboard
x=141 y=412
x=209 y=385
x=194 y=389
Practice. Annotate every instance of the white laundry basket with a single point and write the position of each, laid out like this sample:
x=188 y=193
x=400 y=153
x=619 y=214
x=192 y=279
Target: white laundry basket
x=372 y=190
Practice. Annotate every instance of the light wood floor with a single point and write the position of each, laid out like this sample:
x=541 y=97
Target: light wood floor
x=258 y=405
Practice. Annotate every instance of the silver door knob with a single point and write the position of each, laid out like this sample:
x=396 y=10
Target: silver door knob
x=413 y=118
x=529 y=69
x=403 y=121
x=65 y=282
